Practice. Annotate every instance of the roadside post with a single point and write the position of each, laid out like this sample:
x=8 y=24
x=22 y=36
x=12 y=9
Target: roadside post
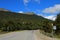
x=53 y=31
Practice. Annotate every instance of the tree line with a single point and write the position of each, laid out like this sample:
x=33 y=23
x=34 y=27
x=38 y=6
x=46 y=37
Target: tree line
x=11 y=21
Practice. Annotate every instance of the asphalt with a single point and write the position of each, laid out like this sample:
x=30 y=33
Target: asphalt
x=25 y=35
x=19 y=35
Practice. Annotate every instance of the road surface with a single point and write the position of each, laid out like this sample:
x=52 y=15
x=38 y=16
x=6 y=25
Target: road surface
x=19 y=35
x=25 y=35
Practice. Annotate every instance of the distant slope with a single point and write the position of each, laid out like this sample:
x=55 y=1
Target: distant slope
x=20 y=20
x=2 y=9
x=20 y=17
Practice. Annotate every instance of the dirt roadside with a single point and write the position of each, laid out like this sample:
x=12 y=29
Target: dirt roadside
x=41 y=36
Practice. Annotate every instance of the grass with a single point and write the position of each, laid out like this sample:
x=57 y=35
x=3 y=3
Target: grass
x=47 y=34
x=57 y=36
x=50 y=34
x=4 y=32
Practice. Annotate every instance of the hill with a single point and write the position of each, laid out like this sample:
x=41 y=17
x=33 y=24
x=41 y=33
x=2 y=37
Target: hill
x=19 y=21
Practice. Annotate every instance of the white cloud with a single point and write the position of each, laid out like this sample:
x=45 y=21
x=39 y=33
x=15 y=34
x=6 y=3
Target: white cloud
x=39 y=14
x=54 y=9
x=20 y=12
x=25 y=2
x=51 y=17
x=38 y=1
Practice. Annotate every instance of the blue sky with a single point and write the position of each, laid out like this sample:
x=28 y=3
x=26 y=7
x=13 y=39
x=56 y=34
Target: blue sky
x=46 y=8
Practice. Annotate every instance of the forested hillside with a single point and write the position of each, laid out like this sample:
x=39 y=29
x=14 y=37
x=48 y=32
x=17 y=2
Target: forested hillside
x=11 y=21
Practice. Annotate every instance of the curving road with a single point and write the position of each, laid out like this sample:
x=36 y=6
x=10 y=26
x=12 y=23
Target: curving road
x=25 y=35
x=19 y=35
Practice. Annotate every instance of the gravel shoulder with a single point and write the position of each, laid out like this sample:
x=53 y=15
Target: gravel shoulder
x=41 y=36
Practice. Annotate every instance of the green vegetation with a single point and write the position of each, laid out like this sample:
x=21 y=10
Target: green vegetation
x=11 y=21
x=48 y=27
x=57 y=24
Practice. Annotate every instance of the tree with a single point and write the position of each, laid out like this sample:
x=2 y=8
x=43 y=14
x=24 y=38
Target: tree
x=57 y=23
x=47 y=27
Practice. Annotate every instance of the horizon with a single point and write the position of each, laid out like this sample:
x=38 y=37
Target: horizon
x=46 y=8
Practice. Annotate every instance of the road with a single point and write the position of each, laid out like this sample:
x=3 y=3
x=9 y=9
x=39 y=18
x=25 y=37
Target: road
x=19 y=35
x=25 y=35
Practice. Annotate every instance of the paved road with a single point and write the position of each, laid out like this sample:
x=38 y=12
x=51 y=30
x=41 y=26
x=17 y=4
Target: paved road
x=20 y=35
x=25 y=35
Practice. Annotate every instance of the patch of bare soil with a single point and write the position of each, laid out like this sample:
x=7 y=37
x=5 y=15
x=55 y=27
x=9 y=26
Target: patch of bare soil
x=41 y=36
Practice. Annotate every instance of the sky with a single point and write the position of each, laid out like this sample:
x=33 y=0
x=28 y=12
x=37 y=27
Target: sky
x=46 y=8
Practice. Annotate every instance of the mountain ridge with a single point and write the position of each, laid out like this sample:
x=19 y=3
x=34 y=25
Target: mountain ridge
x=20 y=21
